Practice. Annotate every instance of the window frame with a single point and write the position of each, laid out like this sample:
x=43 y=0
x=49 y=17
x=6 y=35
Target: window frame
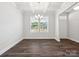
x=39 y=25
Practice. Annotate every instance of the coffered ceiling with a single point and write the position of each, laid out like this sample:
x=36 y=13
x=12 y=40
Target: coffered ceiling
x=38 y=6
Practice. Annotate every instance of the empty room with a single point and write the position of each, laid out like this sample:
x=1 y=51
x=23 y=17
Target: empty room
x=39 y=29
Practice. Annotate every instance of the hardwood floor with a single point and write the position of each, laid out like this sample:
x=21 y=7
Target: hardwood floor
x=44 y=48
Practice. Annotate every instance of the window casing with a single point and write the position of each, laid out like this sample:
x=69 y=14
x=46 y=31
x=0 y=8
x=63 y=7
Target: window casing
x=39 y=24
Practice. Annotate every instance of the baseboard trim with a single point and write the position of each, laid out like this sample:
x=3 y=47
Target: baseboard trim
x=38 y=38
x=73 y=39
x=10 y=46
x=41 y=38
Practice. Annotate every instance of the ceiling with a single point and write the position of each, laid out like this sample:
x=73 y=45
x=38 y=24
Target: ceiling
x=70 y=10
x=51 y=6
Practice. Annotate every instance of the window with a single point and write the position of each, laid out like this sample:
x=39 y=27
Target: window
x=39 y=24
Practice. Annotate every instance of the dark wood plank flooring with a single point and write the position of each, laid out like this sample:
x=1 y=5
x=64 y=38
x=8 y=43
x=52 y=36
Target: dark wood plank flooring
x=44 y=48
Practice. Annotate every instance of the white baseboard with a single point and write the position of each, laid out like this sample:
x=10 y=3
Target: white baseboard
x=41 y=38
x=73 y=39
x=58 y=39
x=9 y=46
x=38 y=38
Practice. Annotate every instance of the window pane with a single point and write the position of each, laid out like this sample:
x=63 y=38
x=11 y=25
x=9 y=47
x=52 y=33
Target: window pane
x=43 y=25
x=39 y=25
x=34 y=25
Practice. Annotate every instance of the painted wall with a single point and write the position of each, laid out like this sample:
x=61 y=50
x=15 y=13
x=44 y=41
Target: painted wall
x=63 y=27
x=64 y=6
x=51 y=25
x=10 y=26
x=74 y=26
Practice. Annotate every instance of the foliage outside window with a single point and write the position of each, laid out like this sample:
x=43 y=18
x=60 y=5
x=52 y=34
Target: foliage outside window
x=39 y=24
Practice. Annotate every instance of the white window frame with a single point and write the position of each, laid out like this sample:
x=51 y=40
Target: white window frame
x=39 y=25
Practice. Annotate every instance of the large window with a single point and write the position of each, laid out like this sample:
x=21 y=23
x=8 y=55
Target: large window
x=39 y=24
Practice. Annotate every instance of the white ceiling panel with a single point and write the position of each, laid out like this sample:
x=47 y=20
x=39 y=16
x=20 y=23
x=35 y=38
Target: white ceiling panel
x=50 y=6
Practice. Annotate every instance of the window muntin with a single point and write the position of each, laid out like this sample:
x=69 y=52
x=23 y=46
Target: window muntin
x=39 y=25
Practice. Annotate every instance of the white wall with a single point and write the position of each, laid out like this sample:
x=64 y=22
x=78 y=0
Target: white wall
x=10 y=26
x=74 y=26
x=64 y=7
x=49 y=34
x=63 y=27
